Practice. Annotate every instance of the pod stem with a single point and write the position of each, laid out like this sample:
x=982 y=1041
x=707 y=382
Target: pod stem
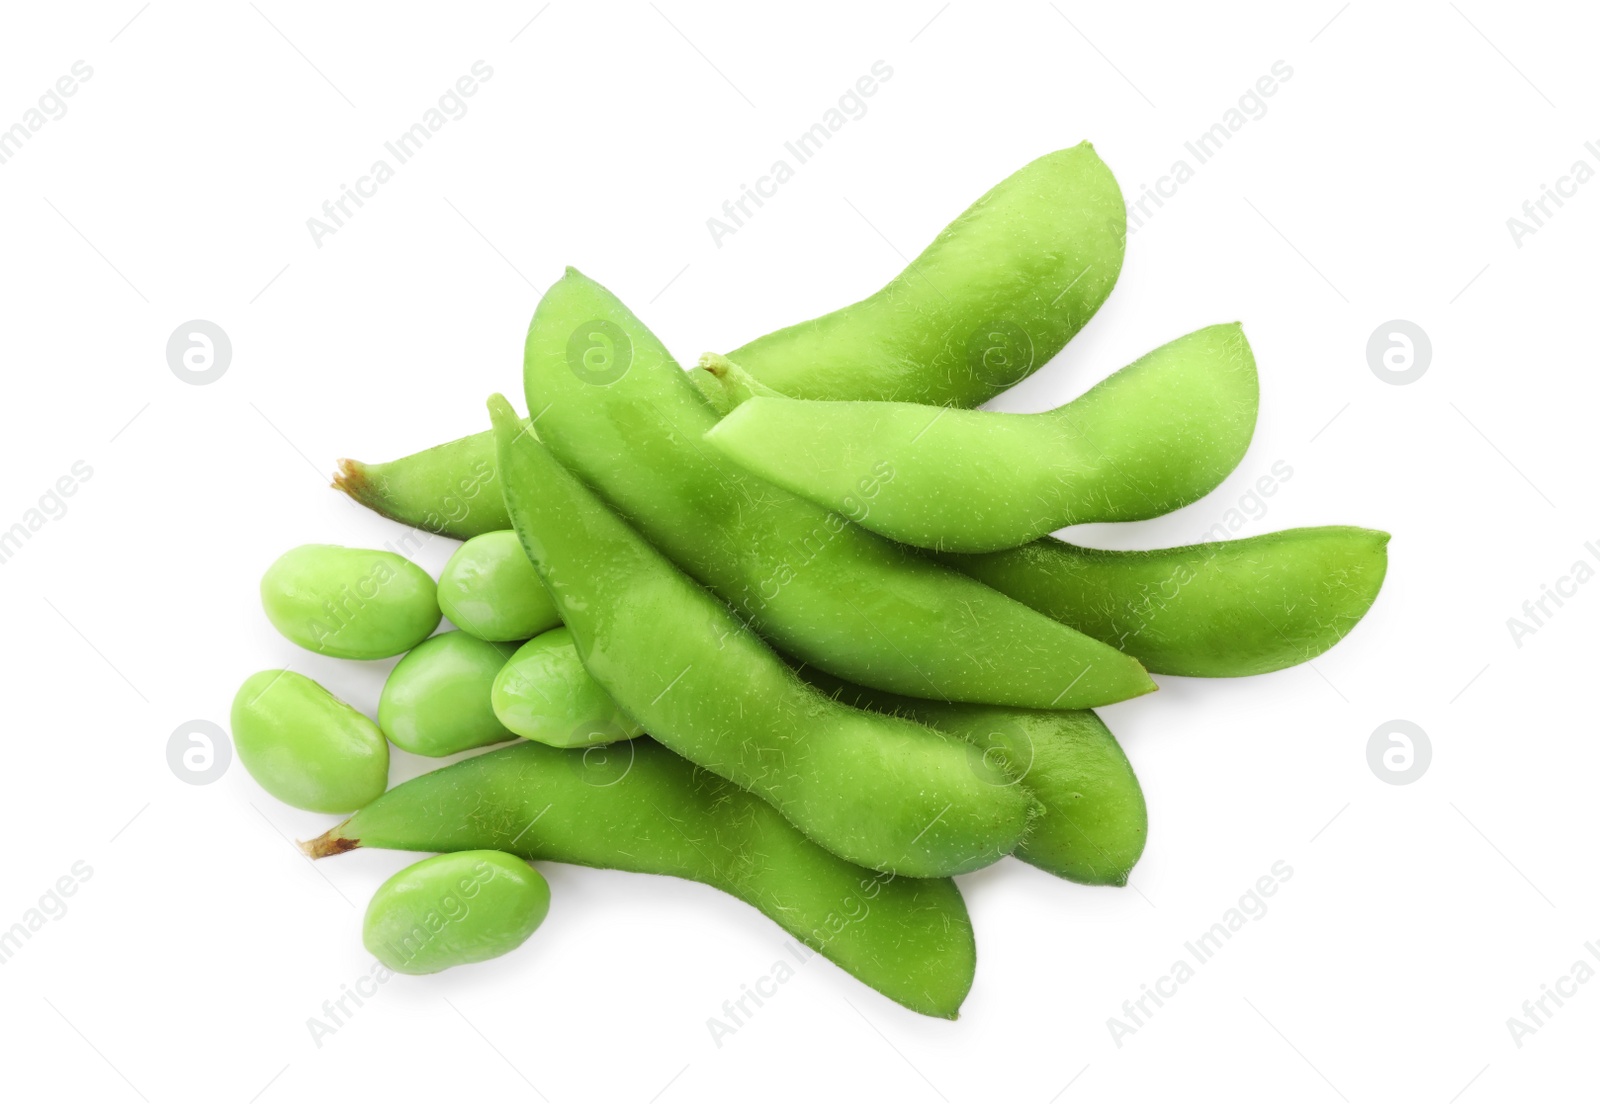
x=739 y=385
x=328 y=845
x=353 y=481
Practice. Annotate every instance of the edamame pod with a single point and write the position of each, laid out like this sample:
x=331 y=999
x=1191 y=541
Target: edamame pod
x=544 y=693
x=638 y=807
x=437 y=700
x=344 y=602
x=882 y=792
x=998 y=293
x=822 y=589
x=454 y=909
x=305 y=747
x=449 y=489
x=1218 y=609
x=1147 y=440
x=489 y=589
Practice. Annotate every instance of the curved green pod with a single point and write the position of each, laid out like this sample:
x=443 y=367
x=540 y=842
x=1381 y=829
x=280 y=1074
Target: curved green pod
x=1217 y=609
x=544 y=693
x=454 y=909
x=820 y=588
x=640 y=808
x=1147 y=440
x=885 y=793
x=450 y=489
x=997 y=294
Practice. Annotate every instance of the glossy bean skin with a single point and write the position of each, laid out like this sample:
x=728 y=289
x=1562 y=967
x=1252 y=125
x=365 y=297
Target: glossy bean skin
x=885 y=793
x=1093 y=824
x=454 y=909
x=306 y=747
x=1149 y=439
x=638 y=807
x=822 y=589
x=448 y=489
x=489 y=589
x=545 y=694
x=996 y=295
x=437 y=700
x=1237 y=607
x=346 y=602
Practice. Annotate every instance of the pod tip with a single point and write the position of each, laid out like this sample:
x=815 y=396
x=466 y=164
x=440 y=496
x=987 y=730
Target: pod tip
x=328 y=845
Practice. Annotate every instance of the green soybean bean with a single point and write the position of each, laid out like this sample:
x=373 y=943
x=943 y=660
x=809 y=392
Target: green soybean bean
x=305 y=747
x=883 y=792
x=638 y=807
x=437 y=699
x=489 y=589
x=449 y=489
x=454 y=909
x=822 y=589
x=544 y=693
x=999 y=292
x=1147 y=440
x=344 y=602
x=1218 y=609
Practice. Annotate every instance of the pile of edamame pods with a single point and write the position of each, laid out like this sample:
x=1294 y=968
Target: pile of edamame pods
x=789 y=621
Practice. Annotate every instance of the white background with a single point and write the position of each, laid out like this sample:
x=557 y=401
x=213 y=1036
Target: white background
x=1377 y=186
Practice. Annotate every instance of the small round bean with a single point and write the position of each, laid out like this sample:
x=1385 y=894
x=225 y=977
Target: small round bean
x=1147 y=440
x=454 y=909
x=305 y=747
x=489 y=589
x=436 y=701
x=344 y=602
x=544 y=693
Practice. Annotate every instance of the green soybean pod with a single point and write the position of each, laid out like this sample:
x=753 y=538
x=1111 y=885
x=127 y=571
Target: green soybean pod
x=447 y=489
x=1235 y=607
x=437 y=700
x=544 y=693
x=452 y=489
x=1092 y=825
x=882 y=792
x=489 y=589
x=638 y=807
x=820 y=588
x=454 y=909
x=998 y=293
x=344 y=602
x=1149 y=439
x=305 y=747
